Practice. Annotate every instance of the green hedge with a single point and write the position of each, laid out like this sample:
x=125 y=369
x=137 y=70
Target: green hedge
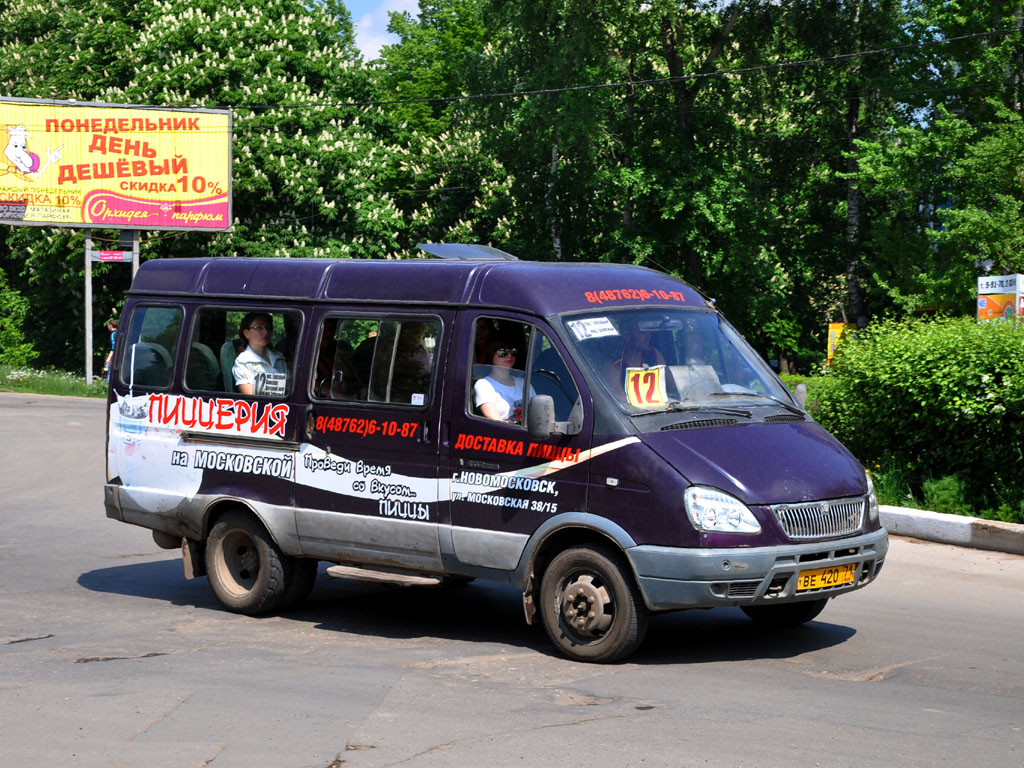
x=942 y=402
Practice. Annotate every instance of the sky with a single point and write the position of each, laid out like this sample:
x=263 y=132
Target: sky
x=371 y=21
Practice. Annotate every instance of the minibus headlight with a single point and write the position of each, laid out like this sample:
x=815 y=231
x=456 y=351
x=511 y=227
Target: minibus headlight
x=712 y=510
x=872 y=499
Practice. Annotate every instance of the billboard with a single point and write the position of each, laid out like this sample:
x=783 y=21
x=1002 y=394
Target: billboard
x=1001 y=297
x=69 y=164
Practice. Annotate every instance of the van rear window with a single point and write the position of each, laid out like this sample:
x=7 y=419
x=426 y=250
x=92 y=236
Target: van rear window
x=152 y=346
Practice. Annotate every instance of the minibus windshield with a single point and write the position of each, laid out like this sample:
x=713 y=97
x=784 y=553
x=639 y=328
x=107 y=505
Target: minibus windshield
x=667 y=359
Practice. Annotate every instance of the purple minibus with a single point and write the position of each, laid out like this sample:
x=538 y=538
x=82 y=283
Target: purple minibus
x=597 y=435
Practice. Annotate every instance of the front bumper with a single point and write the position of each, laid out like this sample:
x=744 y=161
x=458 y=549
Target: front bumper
x=671 y=578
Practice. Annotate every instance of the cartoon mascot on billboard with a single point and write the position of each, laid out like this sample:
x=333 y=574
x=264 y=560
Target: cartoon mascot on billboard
x=19 y=159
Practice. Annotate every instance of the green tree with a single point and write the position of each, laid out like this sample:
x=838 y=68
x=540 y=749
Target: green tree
x=719 y=158
x=14 y=350
x=426 y=70
x=305 y=166
x=943 y=183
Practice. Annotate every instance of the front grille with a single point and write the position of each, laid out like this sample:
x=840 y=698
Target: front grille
x=743 y=588
x=821 y=519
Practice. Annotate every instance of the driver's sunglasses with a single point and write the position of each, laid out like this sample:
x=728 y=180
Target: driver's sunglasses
x=507 y=352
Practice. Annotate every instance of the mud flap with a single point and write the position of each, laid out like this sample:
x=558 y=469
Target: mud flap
x=192 y=557
x=529 y=603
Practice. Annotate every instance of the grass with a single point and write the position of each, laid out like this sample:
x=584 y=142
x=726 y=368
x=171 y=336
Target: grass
x=15 y=379
x=893 y=487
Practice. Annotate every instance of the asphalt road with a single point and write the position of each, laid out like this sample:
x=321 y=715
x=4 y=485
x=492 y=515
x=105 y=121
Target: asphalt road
x=108 y=657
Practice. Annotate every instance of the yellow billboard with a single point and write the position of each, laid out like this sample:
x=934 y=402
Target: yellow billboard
x=835 y=333
x=67 y=164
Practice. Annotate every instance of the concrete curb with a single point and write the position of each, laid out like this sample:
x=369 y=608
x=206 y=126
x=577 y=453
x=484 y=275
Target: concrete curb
x=954 y=529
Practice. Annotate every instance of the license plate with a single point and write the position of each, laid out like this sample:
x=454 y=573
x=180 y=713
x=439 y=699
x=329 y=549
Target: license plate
x=822 y=578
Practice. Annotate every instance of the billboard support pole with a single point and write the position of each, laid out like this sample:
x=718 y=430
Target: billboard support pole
x=88 y=307
x=130 y=242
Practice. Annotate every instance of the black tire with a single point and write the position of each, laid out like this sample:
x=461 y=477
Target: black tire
x=590 y=605
x=247 y=572
x=785 y=615
x=455 y=582
x=301 y=582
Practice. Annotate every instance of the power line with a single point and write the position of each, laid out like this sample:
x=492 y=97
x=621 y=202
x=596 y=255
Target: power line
x=740 y=71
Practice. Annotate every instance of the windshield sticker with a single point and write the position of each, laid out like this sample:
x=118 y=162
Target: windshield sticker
x=592 y=328
x=645 y=387
x=271 y=384
x=632 y=294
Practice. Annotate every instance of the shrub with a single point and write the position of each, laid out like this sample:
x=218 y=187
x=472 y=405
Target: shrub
x=14 y=350
x=792 y=380
x=943 y=399
x=945 y=495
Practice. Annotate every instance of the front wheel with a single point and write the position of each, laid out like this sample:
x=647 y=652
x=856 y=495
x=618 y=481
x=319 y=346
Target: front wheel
x=590 y=605
x=785 y=614
x=247 y=572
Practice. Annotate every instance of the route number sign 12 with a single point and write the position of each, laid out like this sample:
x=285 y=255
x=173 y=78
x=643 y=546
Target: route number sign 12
x=645 y=387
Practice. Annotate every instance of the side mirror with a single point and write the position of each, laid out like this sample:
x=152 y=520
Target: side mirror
x=540 y=418
x=801 y=395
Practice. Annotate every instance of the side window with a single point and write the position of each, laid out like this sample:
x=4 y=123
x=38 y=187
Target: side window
x=374 y=360
x=246 y=351
x=152 y=344
x=549 y=375
x=498 y=375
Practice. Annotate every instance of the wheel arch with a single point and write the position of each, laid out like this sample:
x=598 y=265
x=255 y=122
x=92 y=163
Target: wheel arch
x=278 y=522
x=558 y=534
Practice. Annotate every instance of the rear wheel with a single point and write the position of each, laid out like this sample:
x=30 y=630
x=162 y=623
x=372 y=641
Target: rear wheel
x=785 y=614
x=247 y=571
x=590 y=605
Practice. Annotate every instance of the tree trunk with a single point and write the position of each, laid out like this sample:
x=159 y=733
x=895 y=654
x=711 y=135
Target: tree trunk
x=854 y=286
x=686 y=95
x=550 y=202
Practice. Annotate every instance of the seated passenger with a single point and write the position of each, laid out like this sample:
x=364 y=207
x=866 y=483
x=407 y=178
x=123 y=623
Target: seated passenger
x=637 y=352
x=412 y=365
x=499 y=395
x=481 y=347
x=258 y=369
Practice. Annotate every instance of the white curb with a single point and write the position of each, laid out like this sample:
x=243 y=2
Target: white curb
x=954 y=529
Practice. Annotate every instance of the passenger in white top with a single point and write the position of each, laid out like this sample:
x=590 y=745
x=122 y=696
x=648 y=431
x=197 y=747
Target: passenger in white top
x=499 y=396
x=259 y=370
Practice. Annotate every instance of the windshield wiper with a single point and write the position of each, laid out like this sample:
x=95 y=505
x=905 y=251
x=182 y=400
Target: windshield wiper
x=788 y=406
x=676 y=407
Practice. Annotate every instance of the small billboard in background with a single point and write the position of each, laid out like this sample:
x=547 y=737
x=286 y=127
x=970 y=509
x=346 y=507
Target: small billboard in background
x=1001 y=297
x=67 y=164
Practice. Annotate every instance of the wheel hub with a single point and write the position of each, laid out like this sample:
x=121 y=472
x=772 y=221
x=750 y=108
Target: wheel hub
x=241 y=561
x=583 y=606
x=247 y=562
